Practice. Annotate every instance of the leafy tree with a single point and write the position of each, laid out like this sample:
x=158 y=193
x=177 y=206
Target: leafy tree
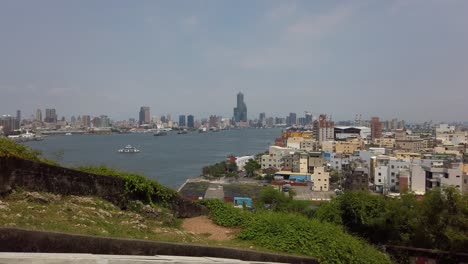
x=231 y=166
x=250 y=167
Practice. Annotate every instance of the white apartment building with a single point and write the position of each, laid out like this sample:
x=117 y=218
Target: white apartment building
x=241 y=161
x=320 y=179
x=274 y=158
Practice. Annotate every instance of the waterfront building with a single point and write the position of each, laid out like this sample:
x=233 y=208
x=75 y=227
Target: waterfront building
x=182 y=122
x=240 y=111
x=144 y=116
x=241 y=161
x=86 y=120
x=51 y=116
x=262 y=119
x=190 y=121
x=291 y=119
x=105 y=121
x=9 y=123
x=274 y=158
x=39 y=115
x=18 y=117
x=214 y=121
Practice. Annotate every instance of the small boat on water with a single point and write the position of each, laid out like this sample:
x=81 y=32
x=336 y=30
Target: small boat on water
x=68 y=134
x=182 y=132
x=202 y=130
x=129 y=149
x=160 y=133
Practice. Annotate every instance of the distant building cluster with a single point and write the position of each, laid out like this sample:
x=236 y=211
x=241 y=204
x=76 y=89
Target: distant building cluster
x=384 y=157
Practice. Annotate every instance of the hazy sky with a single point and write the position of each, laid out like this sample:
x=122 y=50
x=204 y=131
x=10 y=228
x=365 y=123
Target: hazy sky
x=406 y=59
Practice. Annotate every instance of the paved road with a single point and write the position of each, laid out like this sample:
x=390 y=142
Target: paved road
x=59 y=258
x=215 y=191
x=304 y=193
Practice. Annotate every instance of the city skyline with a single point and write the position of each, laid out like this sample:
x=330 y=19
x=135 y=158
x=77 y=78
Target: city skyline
x=385 y=59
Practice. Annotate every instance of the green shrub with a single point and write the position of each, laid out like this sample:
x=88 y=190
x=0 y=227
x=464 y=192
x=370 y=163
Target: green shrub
x=224 y=214
x=137 y=185
x=294 y=233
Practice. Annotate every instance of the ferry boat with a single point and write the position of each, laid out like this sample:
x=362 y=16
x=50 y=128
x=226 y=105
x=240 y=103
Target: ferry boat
x=202 y=130
x=129 y=149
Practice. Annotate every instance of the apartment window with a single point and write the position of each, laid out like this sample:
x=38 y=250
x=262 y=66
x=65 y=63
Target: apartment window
x=380 y=180
x=380 y=174
x=393 y=174
x=393 y=167
x=393 y=180
x=458 y=176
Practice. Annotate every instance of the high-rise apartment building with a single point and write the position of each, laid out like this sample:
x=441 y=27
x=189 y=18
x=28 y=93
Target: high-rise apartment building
x=308 y=118
x=324 y=129
x=9 y=123
x=39 y=115
x=190 y=121
x=292 y=119
x=240 y=112
x=51 y=116
x=376 y=128
x=182 y=121
x=86 y=120
x=144 y=115
x=105 y=121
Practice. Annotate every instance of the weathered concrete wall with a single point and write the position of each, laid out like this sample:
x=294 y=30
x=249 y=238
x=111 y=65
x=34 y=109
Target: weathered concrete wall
x=18 y=240
x=35 y=176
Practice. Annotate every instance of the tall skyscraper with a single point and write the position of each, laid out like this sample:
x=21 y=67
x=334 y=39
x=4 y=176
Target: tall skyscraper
x=18 y=117
x=39 y=115
x=190 y=121
x=376 y=128
x=182 y=121
x=292 y=119
x=240 y=112
x=51 y=116
x=308 y=118
x=144 y=115
x=261 y=117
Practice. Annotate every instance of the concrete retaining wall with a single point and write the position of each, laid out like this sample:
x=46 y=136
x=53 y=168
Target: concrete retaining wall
x=18 y=240
x=35 y=176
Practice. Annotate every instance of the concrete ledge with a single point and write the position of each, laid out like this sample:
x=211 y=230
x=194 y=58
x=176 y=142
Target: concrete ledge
x=19 y=240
